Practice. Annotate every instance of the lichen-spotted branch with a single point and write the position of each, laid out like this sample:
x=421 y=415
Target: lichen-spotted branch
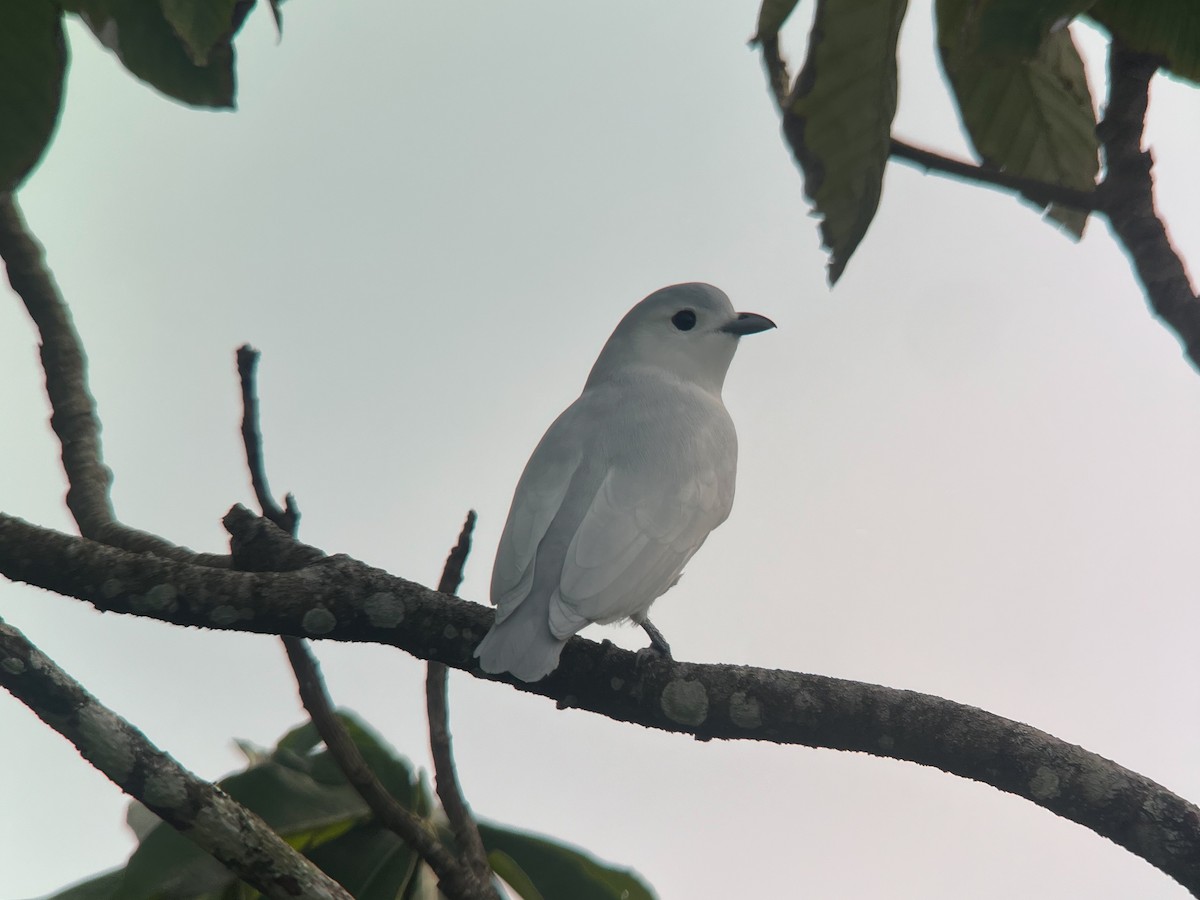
x=341 y=599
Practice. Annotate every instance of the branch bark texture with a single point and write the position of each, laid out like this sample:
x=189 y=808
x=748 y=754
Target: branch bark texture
x=340 y=598
x=244 y=843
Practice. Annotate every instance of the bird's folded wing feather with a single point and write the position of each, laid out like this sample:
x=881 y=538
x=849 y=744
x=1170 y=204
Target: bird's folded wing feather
x=637 y=535
x=539 y=496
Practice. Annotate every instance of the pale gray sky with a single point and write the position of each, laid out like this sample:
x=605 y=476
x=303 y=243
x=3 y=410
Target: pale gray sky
x=969 y=470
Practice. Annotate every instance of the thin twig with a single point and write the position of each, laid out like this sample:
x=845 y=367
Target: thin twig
x=74 y=418
x=440 y=742
x=455 y=881
x=1039 y=192
x=1129 y=188
x=287 y=518
x=236 y=837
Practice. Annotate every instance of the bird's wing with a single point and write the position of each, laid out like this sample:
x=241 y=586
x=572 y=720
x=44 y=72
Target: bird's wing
x=638 y=533
x=539 y=496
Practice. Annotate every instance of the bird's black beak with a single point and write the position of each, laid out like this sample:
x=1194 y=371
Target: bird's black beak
x=748 y=323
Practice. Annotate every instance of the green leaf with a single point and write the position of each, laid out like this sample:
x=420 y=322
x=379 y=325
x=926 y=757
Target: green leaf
x=556 y=870
x=1166 y=28
x=1031 y=117
x=100 y=887
x=771 y=16
x=33 y=64
x=200 y=24
x=1018 y=27
x=147 y=44
x=838 y=120
x=506 y=867
x=369 y=861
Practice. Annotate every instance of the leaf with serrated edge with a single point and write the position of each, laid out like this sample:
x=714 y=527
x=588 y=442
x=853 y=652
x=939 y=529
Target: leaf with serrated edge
x=838 y=120
x=1031 y=117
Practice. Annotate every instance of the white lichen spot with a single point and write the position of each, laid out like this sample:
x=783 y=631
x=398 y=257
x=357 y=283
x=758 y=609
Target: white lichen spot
x=108 y=748
x=744 y=711
x=165 y=790
x=1044 y=784
x=685 y=702
x=384 y=609
x=111 y=588
x=224 y=615
x=12 y=665
x=450 y=632
x=161 y=598
x=319 y=620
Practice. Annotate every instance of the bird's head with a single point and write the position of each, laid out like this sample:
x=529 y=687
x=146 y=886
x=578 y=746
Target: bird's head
x=688 y=330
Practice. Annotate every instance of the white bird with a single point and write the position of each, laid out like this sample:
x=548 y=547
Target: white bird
x=626 y=484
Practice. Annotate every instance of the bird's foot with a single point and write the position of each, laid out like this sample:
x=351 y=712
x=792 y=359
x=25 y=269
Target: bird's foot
x=658 y=643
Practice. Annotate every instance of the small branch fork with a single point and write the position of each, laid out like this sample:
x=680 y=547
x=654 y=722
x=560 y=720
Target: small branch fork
x=470 y=879
x=214 y=822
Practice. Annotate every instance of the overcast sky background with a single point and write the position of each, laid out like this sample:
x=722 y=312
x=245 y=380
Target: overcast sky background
x=969 y=470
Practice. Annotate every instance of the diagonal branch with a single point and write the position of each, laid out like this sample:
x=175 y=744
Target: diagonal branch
x=437 y=705
x=1129 y=206
x=74 y=418
x=1038 y=192
x=244 y=843
x=339 y=598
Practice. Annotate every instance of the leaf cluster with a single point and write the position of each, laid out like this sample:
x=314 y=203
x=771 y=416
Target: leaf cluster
x=298 y=789
x=1016 y=77
x=182 y=48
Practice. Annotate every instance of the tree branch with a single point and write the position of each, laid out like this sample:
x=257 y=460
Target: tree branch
x=244 y=843
x=339 y=598
x=1039 y=192
x=74 y=418
x=437 y=706
x=1129 y=203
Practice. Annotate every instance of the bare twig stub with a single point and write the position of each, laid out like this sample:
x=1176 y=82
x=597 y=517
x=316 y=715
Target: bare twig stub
x=244 y=843
x=1129 y=198
x=287 y=518
x=338 y=598
x=437 y=705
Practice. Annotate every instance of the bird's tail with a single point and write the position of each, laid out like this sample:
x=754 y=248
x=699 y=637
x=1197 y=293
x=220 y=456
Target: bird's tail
x=522 y=644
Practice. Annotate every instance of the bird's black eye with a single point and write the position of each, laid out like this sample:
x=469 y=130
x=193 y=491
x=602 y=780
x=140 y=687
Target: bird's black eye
x=684 y=320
